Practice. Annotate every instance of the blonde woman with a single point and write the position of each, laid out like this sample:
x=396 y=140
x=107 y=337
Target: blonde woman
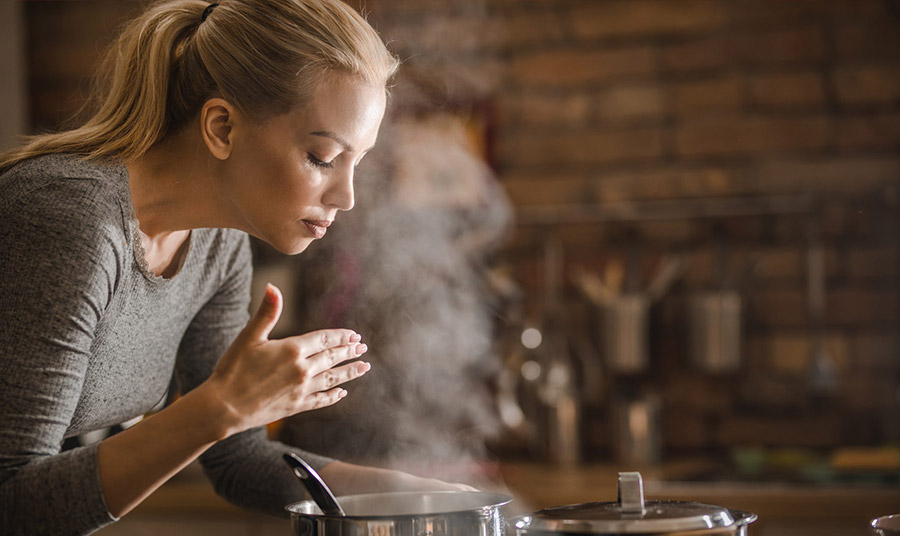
x=124 y=245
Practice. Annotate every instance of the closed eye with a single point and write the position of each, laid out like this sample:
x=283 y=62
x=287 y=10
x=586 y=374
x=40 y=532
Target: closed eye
x=319 y=163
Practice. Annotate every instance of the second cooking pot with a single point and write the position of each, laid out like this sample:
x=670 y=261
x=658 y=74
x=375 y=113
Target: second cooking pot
x=441 y=513
x=631 y=515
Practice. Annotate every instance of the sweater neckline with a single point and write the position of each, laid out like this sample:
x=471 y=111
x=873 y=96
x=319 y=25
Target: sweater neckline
x=137 y=247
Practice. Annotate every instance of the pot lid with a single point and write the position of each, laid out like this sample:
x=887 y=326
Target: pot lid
x=629 y=515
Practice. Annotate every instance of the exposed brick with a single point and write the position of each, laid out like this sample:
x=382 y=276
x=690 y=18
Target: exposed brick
x=534 y=191
x=781 y=263
x=801 y=44
x=618 y=18
x=702 y=55
x=630 y=102
x=591 y=147
x=778 y=308
x=685 y=429
x=835 y=175
x=571 y=109
x=751 y=134
x=707 y=97
x=868 y=84
x=446 y=34
x=769 y=392
x=876 y=131
x=788 y=354
x=801 y=11
x=698 y=393
x=864 y=392
x=860 y=307
x=793 y=90
x=533 y=27
x=876 y=352
x=569 y=67
x=881 y=262
x=871 y=40
x=664 y=183
x=667 y=232
x=701 y=268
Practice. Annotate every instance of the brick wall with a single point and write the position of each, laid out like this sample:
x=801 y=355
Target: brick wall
x=601 y=110
x=608 y=108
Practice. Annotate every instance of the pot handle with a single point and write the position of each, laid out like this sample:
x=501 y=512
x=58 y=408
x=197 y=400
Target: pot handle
x=631 y=493
x=314 y=484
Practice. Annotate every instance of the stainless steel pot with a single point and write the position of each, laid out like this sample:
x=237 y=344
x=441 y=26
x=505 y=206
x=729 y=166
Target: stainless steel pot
x=631 y=515
x=441 y=513
x=886 y=525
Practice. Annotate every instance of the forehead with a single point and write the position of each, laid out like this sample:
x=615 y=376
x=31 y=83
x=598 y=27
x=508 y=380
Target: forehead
x=346 y=106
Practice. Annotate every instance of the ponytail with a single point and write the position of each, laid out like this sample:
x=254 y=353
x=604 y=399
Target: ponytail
x=264 y=56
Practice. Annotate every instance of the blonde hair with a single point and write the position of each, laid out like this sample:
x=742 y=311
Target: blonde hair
x=263 y=56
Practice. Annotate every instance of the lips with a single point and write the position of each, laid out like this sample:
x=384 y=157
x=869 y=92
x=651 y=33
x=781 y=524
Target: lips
x=317 y=227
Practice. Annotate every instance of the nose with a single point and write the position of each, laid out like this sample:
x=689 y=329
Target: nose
x=339 y=193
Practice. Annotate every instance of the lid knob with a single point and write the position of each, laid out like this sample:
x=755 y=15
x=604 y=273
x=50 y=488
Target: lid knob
x=631 y=493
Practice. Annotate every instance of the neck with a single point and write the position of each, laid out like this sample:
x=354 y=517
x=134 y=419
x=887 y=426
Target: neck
x=171 y=186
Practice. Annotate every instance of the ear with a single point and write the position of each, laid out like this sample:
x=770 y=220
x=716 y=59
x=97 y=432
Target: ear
x=217 y=122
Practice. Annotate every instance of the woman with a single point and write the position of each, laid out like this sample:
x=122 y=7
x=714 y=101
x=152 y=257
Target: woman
x=125 y=245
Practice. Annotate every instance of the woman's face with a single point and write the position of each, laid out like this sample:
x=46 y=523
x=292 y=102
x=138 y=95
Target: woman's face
x=287 y=178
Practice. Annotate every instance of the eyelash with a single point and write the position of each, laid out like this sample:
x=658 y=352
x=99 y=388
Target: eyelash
x=318 y=163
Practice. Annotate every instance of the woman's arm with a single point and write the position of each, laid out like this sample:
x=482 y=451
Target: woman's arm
x=257 y=381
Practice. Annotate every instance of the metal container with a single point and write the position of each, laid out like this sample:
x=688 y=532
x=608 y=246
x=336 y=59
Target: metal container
x=625 y=329
x=715 y=331
x=441 y=513
x=631 y=515
x=637 y=430
x=886 y=526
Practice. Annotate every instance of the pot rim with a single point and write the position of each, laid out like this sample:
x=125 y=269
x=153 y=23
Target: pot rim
x=739 y=518
x=495 y=500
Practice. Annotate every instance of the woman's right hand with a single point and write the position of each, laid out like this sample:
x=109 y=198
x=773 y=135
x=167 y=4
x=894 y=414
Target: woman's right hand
x=260 y=381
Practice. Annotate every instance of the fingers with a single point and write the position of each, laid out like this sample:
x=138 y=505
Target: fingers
x=325 y=398
x=330 y=357
x=311 y=344
x=336 y=376
x=262 y=323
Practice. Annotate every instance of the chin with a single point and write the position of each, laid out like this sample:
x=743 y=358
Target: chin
x=297 y=247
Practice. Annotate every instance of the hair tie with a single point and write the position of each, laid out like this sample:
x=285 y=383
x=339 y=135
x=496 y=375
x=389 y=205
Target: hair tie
x=207 y=11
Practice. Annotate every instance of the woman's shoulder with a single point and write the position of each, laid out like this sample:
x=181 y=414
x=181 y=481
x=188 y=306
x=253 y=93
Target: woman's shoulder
x=62 y=180
x=62 y=198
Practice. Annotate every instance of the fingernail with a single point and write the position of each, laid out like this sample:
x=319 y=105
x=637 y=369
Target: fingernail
x=364 y=367
x=342 y=393
x=270 y=293
x=361 y=349
x=356 y=337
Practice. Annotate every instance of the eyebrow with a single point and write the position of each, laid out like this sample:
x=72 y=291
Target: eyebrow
x=331 y=135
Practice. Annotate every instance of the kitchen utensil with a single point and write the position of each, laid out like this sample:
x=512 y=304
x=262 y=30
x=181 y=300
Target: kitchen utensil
x=631 y=514
x=714 y=331
x=637 y=437
x=440 y=513
x=886 y=525
x=671 y=269
x=314 y=484
x=624 y=324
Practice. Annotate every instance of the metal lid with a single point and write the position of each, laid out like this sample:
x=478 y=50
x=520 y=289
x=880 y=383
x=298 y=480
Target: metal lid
x=629 y=515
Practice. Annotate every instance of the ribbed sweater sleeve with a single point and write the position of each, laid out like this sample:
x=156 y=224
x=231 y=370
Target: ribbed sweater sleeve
x=246 y=469
x=58 y=269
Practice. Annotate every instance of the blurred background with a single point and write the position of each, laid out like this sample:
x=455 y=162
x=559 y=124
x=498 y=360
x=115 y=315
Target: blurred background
x=596 y=235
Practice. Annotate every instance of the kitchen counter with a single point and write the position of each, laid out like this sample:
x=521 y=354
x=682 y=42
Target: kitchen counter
x=784 y=509
x=795 y=509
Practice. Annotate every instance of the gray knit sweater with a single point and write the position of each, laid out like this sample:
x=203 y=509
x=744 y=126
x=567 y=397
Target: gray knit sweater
x=90 y=338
